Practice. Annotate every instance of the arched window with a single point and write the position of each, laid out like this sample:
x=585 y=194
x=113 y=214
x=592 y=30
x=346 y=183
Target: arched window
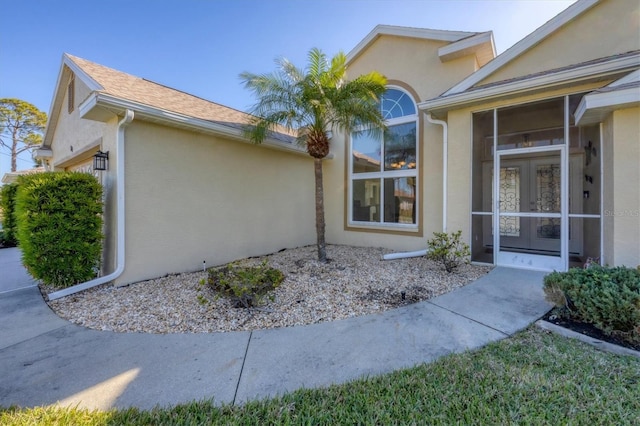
x=383 y=170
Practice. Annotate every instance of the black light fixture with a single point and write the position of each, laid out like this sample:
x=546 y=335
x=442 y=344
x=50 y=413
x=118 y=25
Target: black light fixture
x=100 y=160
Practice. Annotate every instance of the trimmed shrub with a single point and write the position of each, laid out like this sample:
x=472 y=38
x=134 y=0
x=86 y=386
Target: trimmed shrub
x=59 y=219
x=608 y=298
x=245 y=286
x=448 y=250
x=8 y=205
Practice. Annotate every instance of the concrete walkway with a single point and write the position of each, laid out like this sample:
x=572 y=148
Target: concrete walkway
x=46 y=360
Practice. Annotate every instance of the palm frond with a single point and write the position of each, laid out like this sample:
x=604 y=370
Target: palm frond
x=317 y=66
x=315 y=100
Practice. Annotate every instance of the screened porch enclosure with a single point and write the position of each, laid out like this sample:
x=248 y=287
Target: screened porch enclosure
x=536 y=178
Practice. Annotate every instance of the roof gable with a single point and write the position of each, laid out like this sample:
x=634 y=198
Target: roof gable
x=112 y=92
x=145 y=92
x=462 y=43
x=523 y=45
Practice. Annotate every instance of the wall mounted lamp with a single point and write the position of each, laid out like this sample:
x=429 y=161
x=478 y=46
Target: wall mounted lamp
x=101 y=160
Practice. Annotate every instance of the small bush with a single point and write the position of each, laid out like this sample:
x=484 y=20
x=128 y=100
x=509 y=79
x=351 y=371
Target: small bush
x=59 y=218
x=8 y=205
x=448 y=250
x=245 y=286
x=608 y=298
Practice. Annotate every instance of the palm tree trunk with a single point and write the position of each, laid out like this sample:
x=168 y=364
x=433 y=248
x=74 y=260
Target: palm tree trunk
x=322 y=251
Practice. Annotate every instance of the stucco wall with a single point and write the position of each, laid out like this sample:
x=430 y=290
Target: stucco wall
x=74 y=142
x=414 y=65
x=413 y=61
x=606 y=29
x=73 y=135
x=625 y=211
x=192 y=197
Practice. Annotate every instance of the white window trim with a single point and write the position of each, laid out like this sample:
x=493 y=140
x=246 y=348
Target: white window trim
x=381 y=225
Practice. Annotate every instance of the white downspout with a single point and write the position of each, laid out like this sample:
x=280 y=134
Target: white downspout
x=120 y=260
x=445 y=160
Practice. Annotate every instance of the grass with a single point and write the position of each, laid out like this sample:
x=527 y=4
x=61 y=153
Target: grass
x=532 y=378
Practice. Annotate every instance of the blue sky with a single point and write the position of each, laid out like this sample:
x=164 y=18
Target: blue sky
x=200 y=46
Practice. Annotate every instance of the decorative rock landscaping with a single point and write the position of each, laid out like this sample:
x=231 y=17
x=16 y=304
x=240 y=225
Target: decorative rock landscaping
x=355 y=282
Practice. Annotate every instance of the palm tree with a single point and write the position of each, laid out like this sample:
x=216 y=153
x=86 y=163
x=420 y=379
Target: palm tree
x=311 y=103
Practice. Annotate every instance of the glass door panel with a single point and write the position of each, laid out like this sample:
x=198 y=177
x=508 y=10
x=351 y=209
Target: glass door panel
x=529 y=208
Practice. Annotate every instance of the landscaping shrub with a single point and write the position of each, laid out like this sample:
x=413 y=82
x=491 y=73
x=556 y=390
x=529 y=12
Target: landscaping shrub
x=448 y=250
x=608 y=298
x=7 y=205
x=246 y=286
x=59 y=218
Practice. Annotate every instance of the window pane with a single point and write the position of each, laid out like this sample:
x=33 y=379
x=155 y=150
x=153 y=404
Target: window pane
x=536 y=236
x=584 y=241
x=366 y=200
x=400 y=147
x=482 y=241
x=396 y=103
x=400 y=200
x=482 y=168
x=534 y=124
x=509 y=201
x=365 y=152
x=547 y=188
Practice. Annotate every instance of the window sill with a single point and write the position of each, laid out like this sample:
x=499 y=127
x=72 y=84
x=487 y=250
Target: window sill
x=397 y=229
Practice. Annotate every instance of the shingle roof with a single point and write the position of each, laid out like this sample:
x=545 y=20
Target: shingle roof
x=136 y=89
x=139 y=90
x=549 y=72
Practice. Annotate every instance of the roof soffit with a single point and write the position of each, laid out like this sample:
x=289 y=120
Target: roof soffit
x=481 y=45
x=622 y=93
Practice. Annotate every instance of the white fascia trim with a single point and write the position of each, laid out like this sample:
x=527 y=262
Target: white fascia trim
x=523 y=45
x=594 y=106
x=627 y=79
x=42 y=153
x=50 y=126
x=79 y=72
x=141 y=110
x=469 y=44
x=543 y=81
x=423 y=33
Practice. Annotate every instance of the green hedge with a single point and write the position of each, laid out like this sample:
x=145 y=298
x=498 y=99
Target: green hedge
x=59 y=219
x=606 y=297
x=8 y=204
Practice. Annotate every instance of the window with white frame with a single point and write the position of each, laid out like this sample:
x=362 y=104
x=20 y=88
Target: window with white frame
x=383 y=170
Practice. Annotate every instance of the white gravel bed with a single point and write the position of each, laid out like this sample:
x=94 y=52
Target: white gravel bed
x=355 y=282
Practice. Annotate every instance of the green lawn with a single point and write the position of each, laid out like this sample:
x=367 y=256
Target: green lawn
x=532 y=378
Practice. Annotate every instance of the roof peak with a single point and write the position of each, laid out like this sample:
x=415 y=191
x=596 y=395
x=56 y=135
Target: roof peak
x=80 y=61
x=524 y=45
x=411 y=32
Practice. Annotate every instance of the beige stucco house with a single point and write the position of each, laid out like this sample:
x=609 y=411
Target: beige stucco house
x=541 y=143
